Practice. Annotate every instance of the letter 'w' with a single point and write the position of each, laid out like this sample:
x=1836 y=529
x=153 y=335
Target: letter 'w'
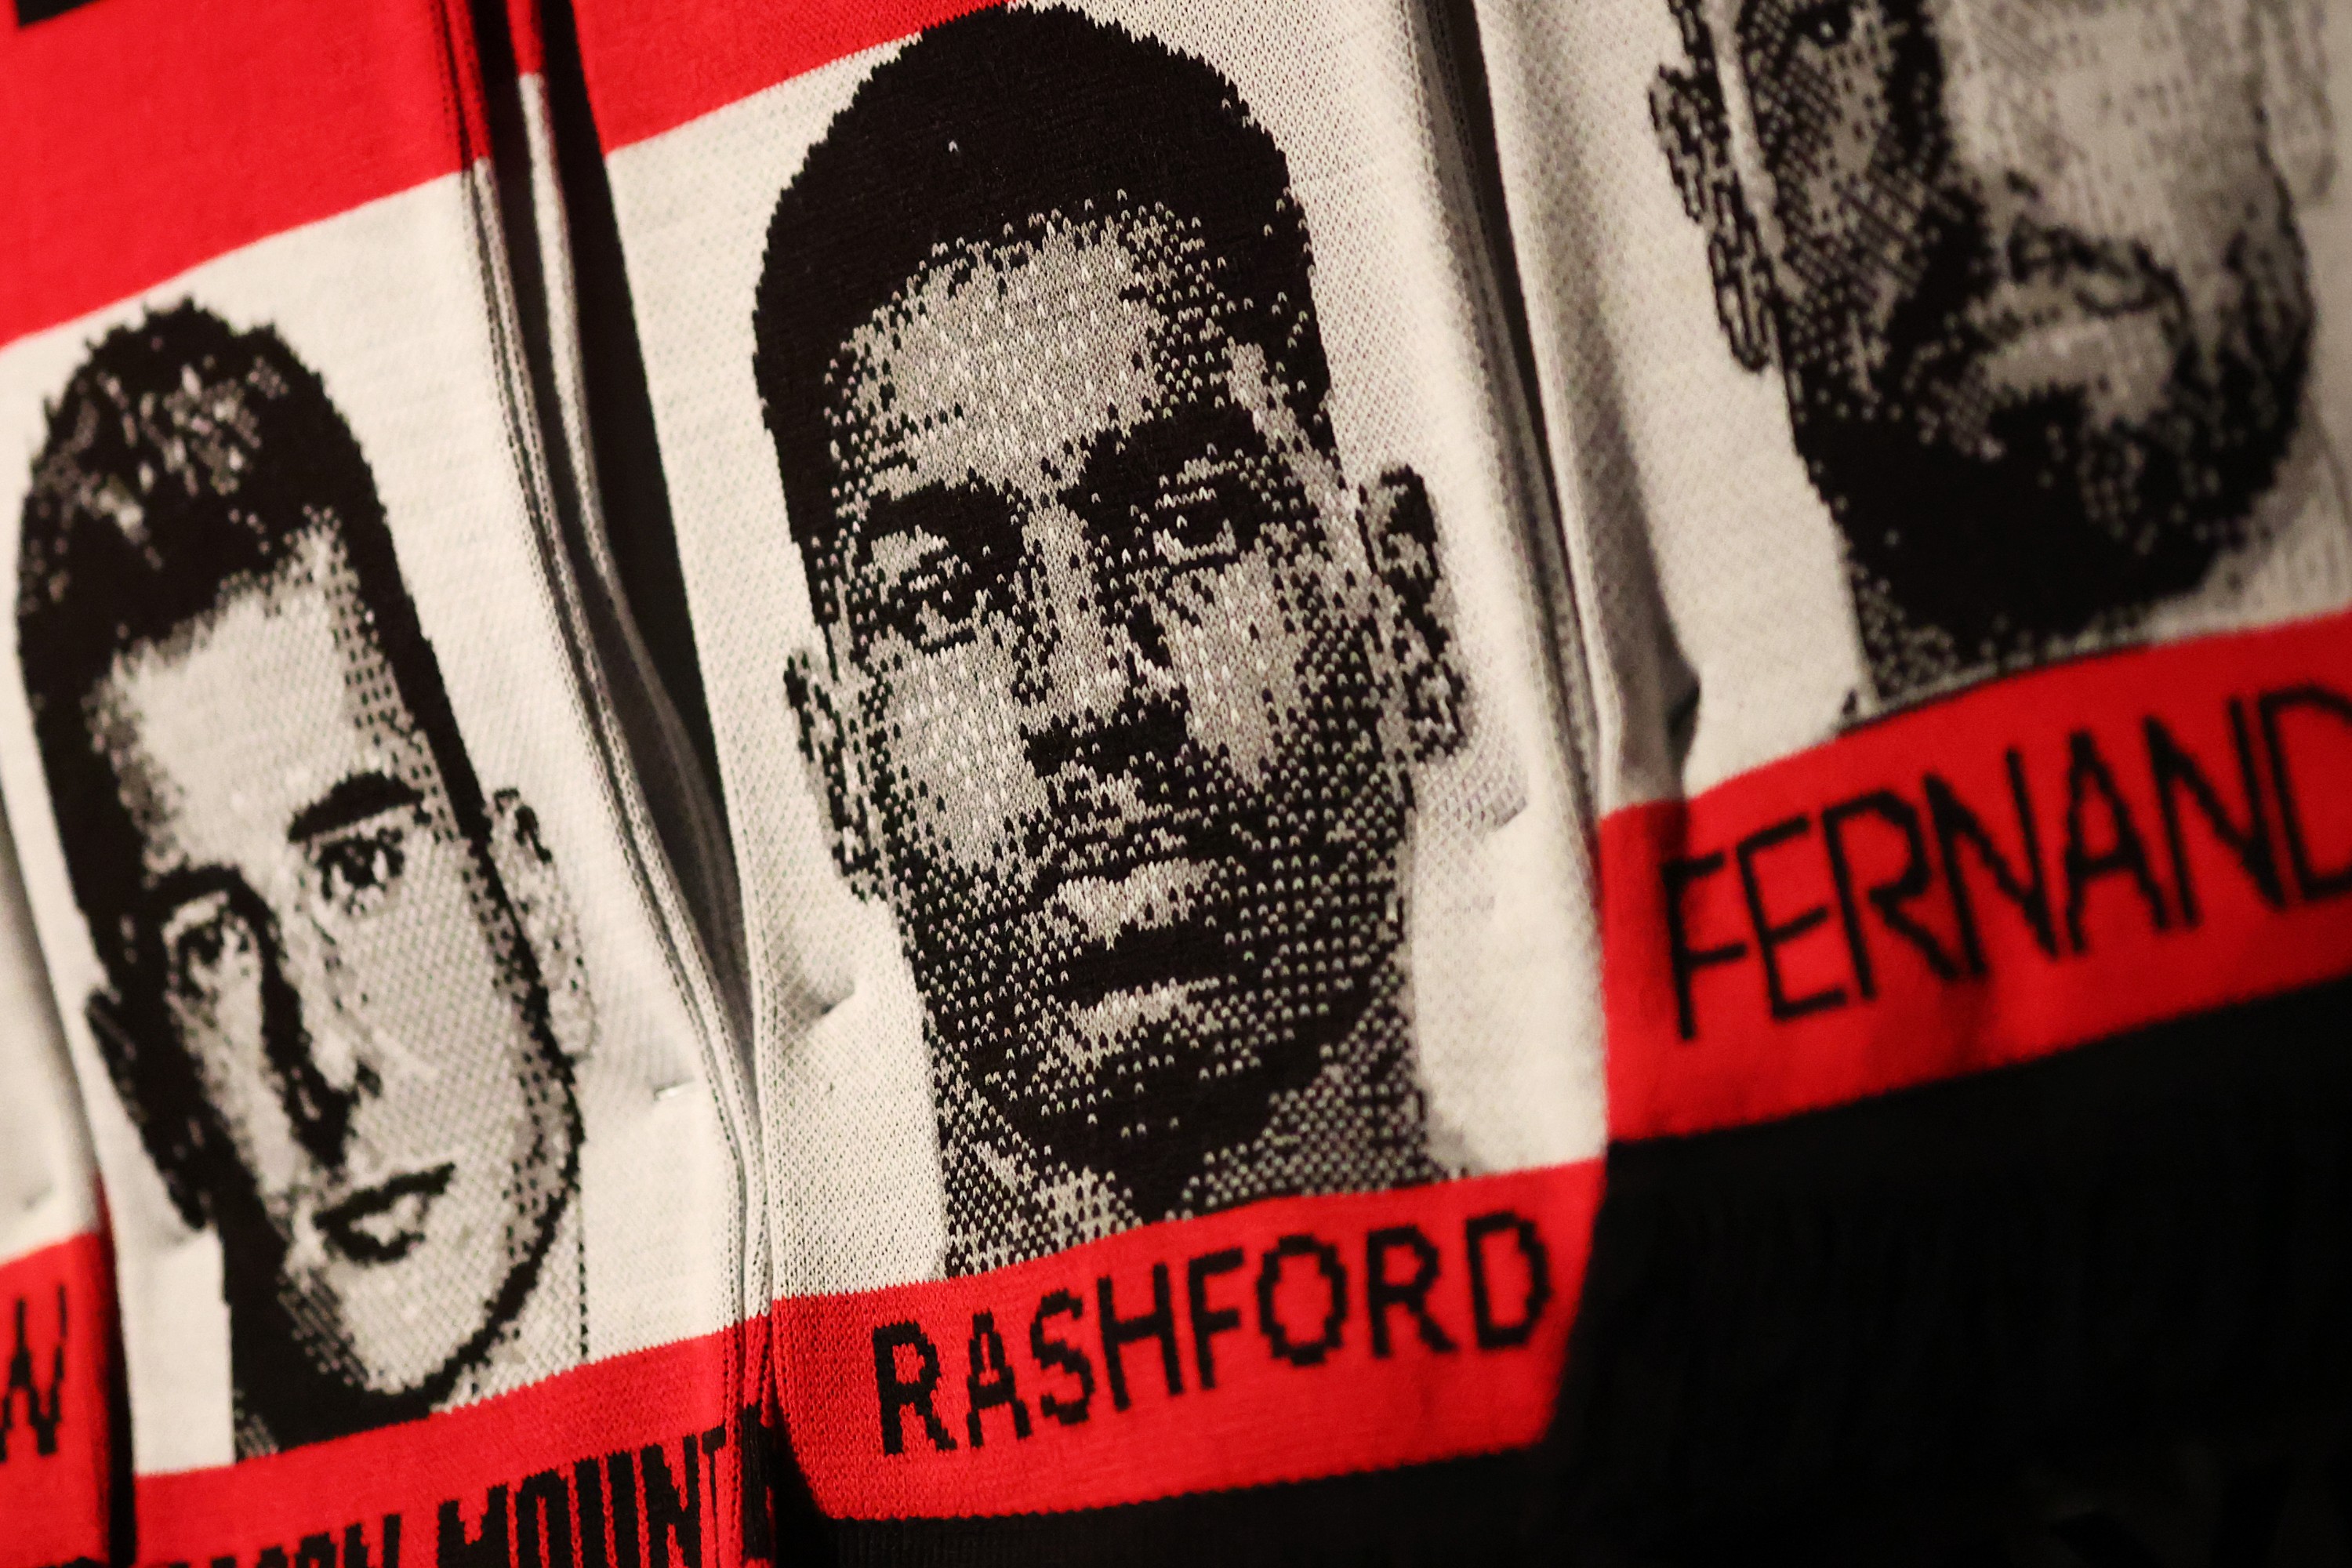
x=42 y=1417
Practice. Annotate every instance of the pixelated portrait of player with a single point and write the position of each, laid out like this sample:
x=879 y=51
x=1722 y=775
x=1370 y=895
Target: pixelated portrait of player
x=1123 y=683
x=327 y=956
x=2032 y=276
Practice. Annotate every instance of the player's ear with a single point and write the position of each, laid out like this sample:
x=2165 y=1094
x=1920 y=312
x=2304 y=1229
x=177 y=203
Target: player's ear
x=1687 y=110
x=172 y=1134
x=1400 y=531
x=550 y=926
x=832 y=772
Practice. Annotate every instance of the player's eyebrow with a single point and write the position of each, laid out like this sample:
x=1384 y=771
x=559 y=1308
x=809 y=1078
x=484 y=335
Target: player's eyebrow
x=352 y=800
x=960 y=515
x=1159 y=446
x=185 y=884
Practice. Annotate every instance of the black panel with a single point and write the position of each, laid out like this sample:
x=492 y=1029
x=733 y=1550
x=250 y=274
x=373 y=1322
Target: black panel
x=31 y=11
x=1888 y=1310
x=1466 y=1511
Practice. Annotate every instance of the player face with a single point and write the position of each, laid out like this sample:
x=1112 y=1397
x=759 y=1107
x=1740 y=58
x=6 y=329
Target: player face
x=335 y=964
x=1116 y=695
x=2037 y=278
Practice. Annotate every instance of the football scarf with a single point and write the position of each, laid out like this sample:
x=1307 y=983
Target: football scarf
x=60 y=1422
x=1116 y=559
x=1975 y=715
x=415 y=1099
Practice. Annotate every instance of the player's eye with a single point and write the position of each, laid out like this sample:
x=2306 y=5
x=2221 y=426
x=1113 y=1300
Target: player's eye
x=937 y=565
x=1192 y=525
x=1825 y=26
x=936 y=601
x=356 y=869
x=1211 y=510
x=204 y=942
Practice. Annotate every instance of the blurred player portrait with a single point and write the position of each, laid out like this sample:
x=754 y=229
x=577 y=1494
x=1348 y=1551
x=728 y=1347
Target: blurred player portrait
x=2031 y=274
x=1123 y=682
x=326 y=953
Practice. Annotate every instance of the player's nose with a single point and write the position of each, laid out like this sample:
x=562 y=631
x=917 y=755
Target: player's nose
x=321 y=1083
x=328 y=1062
x=2004 y=109
x=346 y=1061
x=1090 y=652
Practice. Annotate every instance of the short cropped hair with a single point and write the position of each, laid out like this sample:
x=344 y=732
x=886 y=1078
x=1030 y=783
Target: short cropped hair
x=971 y=132
x=184 y=463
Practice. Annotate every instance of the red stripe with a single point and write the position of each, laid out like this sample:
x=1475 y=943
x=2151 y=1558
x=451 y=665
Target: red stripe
x=1269 y=1417
x=653 y=65
x=139 y=138
x=659 y=1398
x=530 y=40
x=53 y=1482
x=2128 y=955
x=1266 y=1419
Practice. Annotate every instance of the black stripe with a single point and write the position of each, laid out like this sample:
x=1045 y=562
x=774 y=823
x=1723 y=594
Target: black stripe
x=31 y=11
x=1920 y=1298
x=1464 y=1512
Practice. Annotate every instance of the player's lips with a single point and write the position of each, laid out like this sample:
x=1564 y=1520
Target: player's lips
x=1145 y=958
x=2049 y=305
x=384 y=1222
x=2012 y=309
x=1124 y=912
x=2057 y=329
